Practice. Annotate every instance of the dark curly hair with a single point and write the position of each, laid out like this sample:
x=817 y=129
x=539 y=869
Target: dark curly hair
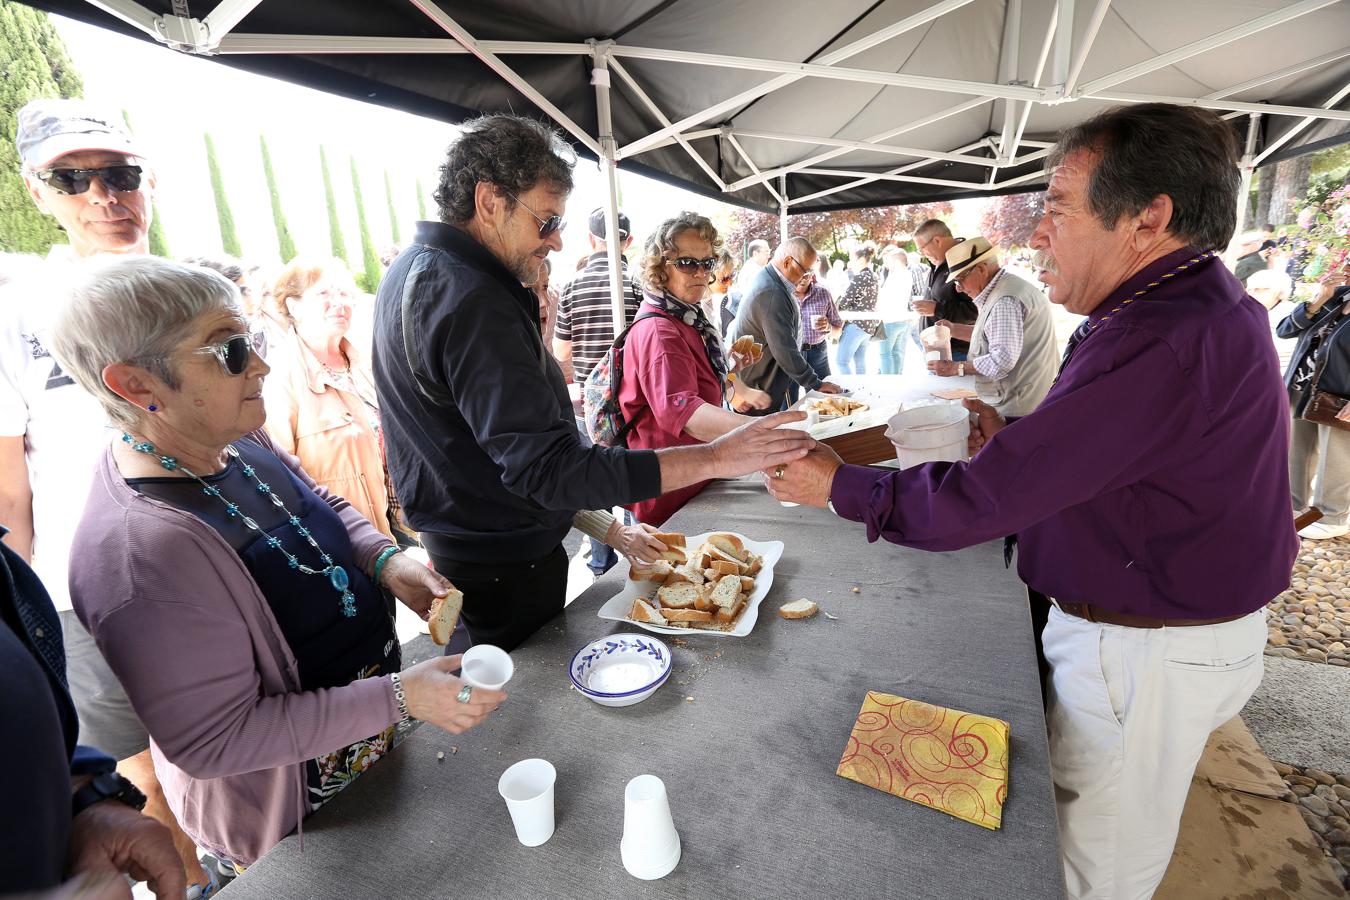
x=511 y=152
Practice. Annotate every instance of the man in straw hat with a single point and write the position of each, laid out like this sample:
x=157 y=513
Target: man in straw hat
x=1148 y=491
x=1012 y=343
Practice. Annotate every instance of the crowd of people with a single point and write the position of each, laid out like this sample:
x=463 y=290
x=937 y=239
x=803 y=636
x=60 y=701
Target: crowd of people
x=216 y=479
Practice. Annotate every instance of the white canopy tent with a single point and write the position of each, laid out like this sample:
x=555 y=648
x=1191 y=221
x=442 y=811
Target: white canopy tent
x=788 y=107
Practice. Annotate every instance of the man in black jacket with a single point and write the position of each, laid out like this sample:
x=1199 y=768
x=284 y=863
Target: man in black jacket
x=482 y=444
x=943 y=300
x=67 y=812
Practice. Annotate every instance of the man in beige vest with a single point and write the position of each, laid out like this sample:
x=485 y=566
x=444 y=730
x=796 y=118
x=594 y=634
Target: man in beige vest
x=1012 y=343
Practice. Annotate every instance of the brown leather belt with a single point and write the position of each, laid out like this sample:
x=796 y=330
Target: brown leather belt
x=1107 y=617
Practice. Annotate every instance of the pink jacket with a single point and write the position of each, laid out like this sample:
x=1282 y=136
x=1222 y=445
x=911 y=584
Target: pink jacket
x=194 y=643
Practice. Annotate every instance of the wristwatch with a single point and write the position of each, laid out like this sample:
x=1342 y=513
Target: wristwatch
x=107 y=786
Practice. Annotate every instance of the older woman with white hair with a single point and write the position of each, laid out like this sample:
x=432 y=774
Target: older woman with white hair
x=242 y=607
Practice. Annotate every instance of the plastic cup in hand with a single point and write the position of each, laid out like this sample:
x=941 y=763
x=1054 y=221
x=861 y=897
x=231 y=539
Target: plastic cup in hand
x=527 y=788
x=486 y=666
x=651 y=846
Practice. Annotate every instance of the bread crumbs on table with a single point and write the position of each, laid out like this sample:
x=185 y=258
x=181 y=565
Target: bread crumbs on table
x=857 y=590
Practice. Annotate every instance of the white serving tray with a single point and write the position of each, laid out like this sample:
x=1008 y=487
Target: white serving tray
x=616 y=609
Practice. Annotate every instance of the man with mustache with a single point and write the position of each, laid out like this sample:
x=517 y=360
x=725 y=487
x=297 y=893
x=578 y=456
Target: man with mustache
x=1148 y=491
x=81 y=167
x=482 y=444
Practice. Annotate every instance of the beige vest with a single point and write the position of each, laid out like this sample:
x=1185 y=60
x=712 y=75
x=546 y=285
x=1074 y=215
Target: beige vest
x=1022 y=390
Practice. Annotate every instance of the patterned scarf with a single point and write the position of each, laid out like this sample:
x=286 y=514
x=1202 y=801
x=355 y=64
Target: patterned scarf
x=692 y=315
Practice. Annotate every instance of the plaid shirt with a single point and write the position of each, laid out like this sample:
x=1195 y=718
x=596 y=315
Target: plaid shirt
x=818 y=302
x=1002 y=331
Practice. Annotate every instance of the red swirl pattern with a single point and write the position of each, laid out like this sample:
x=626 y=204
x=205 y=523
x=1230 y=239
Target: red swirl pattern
x=949 y=760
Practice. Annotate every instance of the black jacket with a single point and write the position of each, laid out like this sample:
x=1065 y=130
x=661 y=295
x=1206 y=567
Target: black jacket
x=493 y=467
x=952 y=305
x=38 y=727
x=1329 y=347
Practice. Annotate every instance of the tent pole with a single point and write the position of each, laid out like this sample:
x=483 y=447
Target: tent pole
x=1247 y=165
x=1302 y=124
x=608 y=165
x=782 y=209
x=1063 y=50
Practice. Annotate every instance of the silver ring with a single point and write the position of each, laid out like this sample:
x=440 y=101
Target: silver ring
x=465 y=693
x=778 y=472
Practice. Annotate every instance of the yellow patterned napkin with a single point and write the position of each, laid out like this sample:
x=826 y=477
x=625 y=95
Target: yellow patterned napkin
x=953 y=761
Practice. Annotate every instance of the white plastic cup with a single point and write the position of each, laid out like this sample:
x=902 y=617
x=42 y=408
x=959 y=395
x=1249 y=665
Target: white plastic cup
x=651 y=846
x=931 y=433
x=527 y=788
x=486 y=666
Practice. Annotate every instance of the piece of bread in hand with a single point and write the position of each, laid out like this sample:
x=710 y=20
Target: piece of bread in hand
x=798 y=609
x=681 y=595
x=676 y=616
x=729 y=544
x=674 y=541
x=643 y=612
x=728 y=591
x=745 y=345
x=657 y=571
x=444 y=614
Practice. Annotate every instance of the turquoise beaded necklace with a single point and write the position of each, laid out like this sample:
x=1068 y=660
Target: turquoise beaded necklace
x=337 y=576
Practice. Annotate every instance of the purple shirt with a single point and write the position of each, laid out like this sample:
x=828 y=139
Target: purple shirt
x=1153 y=478
x=818 y=302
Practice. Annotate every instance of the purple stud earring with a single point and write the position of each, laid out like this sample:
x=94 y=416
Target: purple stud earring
x=152 y=407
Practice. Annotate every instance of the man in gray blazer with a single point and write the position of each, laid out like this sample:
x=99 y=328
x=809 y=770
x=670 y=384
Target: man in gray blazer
x=770 y=314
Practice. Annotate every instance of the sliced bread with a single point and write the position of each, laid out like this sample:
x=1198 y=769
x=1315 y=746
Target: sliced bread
x=687 y=615
x=728 y=543
x=727 y=616
x=798 y=609
x=643 y=612
x=674 y=541
x=681 y=595
x=657 y=571
x=727 y=592
x=444 y=614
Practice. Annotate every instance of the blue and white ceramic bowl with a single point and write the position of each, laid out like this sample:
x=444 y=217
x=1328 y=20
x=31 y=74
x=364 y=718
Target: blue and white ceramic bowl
x=621 y=669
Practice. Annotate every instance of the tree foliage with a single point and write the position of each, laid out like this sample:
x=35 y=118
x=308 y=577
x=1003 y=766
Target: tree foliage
x=421 y=202
x=393 y=212
x=829 y=231
x=33 y=64
x=1009 y=220
x=285 y=243
x=369 y=279
x=337 y=243
x=159 y=244
x=229 y=238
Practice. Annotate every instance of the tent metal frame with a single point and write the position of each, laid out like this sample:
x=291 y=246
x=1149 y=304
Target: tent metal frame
x=213 y=35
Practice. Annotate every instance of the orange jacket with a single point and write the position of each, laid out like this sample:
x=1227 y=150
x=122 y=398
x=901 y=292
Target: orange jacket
x=334 y=432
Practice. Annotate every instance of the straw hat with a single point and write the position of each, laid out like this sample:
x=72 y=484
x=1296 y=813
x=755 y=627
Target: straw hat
x=968 y=253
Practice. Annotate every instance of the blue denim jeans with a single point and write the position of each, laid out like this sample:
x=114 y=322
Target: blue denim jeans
x=818 y=358
x=893 y=348
x=851 y=357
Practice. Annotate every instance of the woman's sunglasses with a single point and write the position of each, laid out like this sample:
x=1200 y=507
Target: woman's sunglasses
x=77 y=181
x=690 y=266
x=546 y=226
x=232 y=353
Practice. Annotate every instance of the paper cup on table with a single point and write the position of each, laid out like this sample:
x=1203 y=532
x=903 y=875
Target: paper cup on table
x=651 y=845
x=486 y=666
x=527 y=788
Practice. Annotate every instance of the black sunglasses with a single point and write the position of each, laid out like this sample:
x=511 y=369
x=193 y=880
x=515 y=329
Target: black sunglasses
x=232 y=353
x=77 y=181
x=546 y=226
x=690 y=266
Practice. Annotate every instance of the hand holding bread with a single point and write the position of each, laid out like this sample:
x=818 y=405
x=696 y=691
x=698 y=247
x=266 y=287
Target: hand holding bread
x=639 y=543
x=416 y=585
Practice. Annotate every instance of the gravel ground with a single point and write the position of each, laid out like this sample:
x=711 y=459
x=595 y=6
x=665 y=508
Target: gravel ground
x=1311 y=620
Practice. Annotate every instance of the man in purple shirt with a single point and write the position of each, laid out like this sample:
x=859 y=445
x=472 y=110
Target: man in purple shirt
x=1149 y=491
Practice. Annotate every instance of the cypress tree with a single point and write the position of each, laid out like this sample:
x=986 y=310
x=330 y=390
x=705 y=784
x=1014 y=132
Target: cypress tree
x=285 y=244
x=159 y=244
x=393 y=213
x=33 y=63
x=421 y=202
x=370 y=260
x=335 y=238
x=229 y=239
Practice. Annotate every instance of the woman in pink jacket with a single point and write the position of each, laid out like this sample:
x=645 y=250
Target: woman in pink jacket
x=247 y=611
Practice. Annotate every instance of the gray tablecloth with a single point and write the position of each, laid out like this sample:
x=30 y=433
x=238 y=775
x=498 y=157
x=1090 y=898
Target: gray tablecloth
x=746 y=734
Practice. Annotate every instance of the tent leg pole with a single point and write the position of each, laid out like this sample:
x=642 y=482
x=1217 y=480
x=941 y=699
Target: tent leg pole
x=1247 y=167
x=609 y=166
x=782 y=209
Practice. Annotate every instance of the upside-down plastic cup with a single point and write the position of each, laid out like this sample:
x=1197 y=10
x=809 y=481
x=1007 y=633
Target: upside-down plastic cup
x=651 y=846
x=486 y=666
x=527 y=788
